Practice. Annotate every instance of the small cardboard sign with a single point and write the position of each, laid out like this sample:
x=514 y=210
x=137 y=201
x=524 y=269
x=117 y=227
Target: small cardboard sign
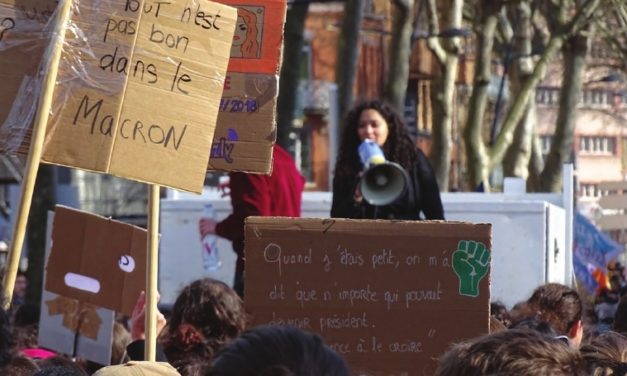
x=246 y=126
x=97 y=260
x=70 y=327
x=389 y=296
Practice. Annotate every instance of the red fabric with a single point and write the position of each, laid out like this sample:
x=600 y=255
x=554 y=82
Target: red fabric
x=276 y=195
x=38 y=353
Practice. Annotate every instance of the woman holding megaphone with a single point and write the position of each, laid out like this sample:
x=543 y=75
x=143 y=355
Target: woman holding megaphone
x=380 y=173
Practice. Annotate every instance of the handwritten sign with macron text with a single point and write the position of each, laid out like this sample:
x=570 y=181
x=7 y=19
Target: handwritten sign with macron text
x=139 y=89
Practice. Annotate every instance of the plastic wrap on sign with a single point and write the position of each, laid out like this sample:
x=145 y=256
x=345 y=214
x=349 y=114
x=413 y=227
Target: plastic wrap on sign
x=138 y=90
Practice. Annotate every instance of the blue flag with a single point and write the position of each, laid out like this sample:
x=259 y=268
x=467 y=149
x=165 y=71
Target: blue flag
x=592 y=249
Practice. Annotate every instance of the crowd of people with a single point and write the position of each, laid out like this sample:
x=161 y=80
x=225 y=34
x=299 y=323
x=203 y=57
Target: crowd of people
x=207 y=331
x=554 y=332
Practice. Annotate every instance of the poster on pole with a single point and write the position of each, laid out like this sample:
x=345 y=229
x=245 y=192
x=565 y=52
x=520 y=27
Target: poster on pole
x=389 y=296
x=138 y=91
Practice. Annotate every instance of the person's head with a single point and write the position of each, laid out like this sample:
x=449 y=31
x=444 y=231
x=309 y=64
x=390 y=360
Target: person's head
x=519 y=352
x=121 y=339
x=561 y=307
x=620 y=317
x=20 y=366
x=606 y=354
x=60 y=371
x=207 y=314
x=377 y=121
x=21 y=283
x=499 y=312
x=279 y=351
x=134 y=368
x=246 y=33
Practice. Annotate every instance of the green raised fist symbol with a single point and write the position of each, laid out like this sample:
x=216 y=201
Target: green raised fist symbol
x=471 y=261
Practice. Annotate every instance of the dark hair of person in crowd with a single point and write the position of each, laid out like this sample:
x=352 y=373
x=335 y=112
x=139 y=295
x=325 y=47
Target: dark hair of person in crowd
x=192 y=366
x=499 y=312
x=206 y=315
x=60 y=371
x=620 y=317
x=561 y=307
x=57 y=365
x=606 y=354
x=121 y=339
x=20 y=366
x=398 y=148
x=278 y=351
x=533 y=323
x=6 y=339
x=520 y=352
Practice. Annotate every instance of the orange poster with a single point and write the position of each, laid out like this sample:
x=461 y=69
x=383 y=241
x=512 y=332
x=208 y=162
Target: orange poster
x=258 y=35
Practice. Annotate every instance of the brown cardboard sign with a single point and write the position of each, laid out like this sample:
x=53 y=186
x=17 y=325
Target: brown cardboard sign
x=139 y=89
x=142 y=100
x=390 y=296
x=22 y=45
x=246 y=126
x=97 y=260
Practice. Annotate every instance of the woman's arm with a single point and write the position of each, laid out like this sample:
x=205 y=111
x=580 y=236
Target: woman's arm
x=344 y=204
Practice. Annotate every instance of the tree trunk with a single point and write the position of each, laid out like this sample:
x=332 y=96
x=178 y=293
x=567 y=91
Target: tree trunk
x=348 y=53
x=536 y=164
x=43 y=201
x=517 y=157
x=443 y=89
x=476 y=154
x=395 y=87
x=574 y=58
x=290 y=70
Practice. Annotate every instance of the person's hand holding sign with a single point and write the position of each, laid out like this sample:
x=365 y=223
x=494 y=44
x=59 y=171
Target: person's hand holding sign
x=471 y=261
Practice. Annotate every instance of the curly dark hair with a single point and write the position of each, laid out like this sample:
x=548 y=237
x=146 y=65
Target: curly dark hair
x=214 y=309
x=398 y=147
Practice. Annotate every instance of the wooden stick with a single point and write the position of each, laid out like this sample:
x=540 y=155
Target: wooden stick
x=34 y=153
x=152 y=267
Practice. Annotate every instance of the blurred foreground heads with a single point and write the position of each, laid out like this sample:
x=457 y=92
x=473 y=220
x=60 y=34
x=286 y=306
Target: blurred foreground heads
x=278 y=351
x=520 y=352
x=134 y=368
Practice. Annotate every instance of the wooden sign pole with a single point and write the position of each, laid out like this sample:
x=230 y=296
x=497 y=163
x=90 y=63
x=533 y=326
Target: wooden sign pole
x=152 y=268
x=34 y=153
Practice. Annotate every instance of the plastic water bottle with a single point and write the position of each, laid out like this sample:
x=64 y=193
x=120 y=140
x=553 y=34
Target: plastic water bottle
x=210 y=258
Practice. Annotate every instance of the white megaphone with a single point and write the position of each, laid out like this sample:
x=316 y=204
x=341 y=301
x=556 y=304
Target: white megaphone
x=382 y=182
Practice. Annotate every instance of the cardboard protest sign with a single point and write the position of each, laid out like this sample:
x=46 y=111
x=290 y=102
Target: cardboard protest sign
x=390 y=296
x=22 y=45
x=139 y=89
x=246 y=127
x=70 y=327
x=97 y=260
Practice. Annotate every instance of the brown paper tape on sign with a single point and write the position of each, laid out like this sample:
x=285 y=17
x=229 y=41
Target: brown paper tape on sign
x=139 y=89
x=96 y=260
x=246 y=127
x=390 y=296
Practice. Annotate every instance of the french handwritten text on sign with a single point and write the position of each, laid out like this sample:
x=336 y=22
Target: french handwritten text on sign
x=389 y=296
x=139 y=89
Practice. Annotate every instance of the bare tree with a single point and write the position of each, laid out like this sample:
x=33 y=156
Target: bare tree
x=348 y=52
x=446 y=49
x=395 y=87
x=483 y=158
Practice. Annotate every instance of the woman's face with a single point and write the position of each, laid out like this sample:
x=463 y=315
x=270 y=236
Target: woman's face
x=372 y=126
x=240 y=32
